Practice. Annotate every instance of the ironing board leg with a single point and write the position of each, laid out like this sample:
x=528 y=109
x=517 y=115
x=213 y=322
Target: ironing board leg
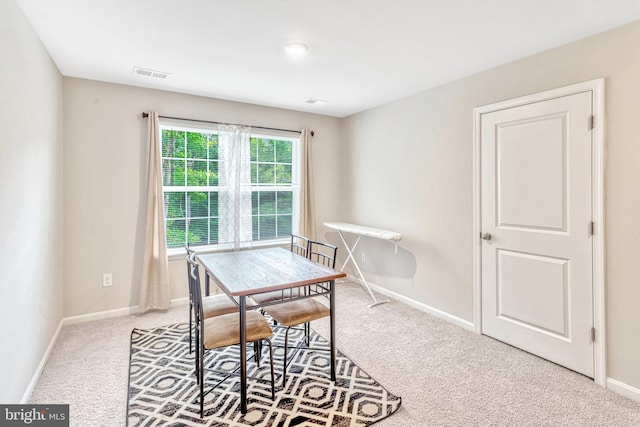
x=355 y=264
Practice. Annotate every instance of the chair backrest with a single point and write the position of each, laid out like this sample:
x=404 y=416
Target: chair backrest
x=189 y=253
x=299 y=245
x=322 y=253
x=194 y=286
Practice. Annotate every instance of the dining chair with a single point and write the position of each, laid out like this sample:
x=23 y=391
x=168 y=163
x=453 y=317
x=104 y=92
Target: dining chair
x=189 y=253
x=224 y=331
x=213 y=305
x=302 y=311
x=299 y=245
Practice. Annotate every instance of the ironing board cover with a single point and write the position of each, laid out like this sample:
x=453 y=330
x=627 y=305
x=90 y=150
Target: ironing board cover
x=365 y=231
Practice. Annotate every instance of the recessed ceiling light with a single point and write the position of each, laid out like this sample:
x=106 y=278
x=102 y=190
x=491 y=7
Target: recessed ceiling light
x=296 y=48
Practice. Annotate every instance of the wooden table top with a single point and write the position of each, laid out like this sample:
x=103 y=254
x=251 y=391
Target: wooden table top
x=251 y=272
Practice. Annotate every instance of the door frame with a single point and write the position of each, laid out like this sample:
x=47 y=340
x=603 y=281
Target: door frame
x=597 y=210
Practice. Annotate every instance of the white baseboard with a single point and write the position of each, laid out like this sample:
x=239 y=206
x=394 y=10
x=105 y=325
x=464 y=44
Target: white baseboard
x=100 y=315
x=419 y=305
x=45 y=357
x=623 y=389
x=118 y=312
x=81 y=319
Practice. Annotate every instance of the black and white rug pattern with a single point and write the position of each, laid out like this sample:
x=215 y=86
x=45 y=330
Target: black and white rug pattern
x=163 y=390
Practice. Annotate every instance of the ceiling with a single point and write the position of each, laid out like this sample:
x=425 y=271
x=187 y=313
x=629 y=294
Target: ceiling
x=363 y=53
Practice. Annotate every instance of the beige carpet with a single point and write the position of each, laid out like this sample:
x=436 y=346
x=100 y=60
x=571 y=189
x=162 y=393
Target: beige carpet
x=445 y=375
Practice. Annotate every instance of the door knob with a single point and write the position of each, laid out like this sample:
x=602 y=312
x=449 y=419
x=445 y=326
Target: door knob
x=486 y=236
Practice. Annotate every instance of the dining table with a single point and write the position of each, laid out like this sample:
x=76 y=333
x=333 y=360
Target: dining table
x=241 y=274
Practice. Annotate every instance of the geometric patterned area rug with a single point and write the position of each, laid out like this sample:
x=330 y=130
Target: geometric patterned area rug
x=163 y=390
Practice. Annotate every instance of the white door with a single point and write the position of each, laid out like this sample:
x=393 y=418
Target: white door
x=537 y=285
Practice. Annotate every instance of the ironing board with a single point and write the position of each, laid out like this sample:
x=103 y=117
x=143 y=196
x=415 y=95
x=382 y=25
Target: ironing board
x=361 y=230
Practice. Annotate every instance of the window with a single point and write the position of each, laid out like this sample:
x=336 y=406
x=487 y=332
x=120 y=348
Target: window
x=196 y=194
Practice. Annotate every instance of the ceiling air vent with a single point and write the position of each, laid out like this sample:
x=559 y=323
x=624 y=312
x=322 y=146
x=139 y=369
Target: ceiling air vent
x=150 y=73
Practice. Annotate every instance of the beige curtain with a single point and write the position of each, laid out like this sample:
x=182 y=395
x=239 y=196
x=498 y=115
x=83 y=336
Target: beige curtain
x=154 y=283
x=307 y=222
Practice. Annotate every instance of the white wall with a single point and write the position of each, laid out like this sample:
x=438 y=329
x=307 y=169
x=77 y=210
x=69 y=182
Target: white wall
x=411 y=171
x=105 y=162
x=30 y=202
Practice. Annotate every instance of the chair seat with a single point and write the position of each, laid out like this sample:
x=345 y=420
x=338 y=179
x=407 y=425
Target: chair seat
x=217 y=305
x=224 y=330
x=297 y=312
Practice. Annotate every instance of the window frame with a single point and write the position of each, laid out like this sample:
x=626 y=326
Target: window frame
x=294 y=187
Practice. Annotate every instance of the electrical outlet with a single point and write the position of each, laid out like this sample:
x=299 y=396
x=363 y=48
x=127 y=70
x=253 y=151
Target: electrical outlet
x=363 y=258
x=107 y=280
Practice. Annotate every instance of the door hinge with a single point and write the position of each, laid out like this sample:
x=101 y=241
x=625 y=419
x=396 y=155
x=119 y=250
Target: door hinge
x=590 y=230
x=593 y=334
x=590 y=124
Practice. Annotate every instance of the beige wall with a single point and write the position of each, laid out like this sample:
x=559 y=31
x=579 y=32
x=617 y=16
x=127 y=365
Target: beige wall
x=30 y=202
x=105 y=159
x=410 y=166
x=405 y=166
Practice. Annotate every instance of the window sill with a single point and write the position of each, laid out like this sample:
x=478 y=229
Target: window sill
x=179 y=253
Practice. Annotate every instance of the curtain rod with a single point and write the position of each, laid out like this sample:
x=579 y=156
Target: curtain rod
x=145 y=115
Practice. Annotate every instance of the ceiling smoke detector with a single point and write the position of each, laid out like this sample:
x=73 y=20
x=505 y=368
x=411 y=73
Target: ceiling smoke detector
x=150 y=73
x=314 y=101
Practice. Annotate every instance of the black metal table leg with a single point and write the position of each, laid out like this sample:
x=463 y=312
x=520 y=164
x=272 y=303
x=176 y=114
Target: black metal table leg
x=243 y=354
x=332 y=321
